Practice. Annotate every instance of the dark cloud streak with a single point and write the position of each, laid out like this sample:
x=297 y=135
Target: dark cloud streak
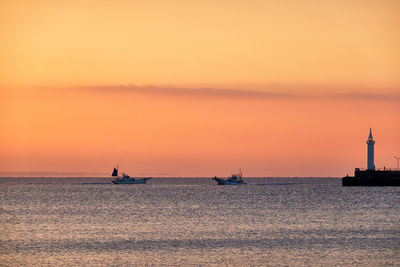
x=236 y=93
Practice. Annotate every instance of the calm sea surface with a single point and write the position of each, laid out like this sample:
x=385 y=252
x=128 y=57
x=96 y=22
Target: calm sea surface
x=194 y=222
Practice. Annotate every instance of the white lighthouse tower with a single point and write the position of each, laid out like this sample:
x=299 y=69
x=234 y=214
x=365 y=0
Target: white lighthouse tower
x=370 y=152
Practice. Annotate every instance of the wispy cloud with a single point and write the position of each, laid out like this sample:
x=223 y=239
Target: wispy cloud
x=366 y=96
x=207 y=92
x=235 y=93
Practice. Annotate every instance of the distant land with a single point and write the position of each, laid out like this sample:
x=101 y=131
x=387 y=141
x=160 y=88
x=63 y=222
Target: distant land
x=51 y=174
x=70 y=174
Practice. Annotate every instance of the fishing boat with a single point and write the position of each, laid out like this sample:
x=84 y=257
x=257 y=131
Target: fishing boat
x=126 y=179
x=235 y=179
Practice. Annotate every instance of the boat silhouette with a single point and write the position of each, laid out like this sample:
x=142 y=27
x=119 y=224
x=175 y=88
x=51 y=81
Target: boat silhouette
x=235 y=179
x=126 y=179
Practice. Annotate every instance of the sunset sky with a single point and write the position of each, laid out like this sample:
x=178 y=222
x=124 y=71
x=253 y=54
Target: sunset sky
x=198 y=88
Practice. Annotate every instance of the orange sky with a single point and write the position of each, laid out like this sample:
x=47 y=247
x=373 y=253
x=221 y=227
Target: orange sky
x=190 y=88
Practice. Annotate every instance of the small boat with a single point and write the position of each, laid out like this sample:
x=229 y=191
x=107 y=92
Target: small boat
x=126 y=179
x=235 y=179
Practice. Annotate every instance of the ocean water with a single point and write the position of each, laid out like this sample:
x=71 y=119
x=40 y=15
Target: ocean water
x=194 y=222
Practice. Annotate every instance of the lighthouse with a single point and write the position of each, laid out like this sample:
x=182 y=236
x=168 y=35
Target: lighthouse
x=370 y=176
x=370 y=152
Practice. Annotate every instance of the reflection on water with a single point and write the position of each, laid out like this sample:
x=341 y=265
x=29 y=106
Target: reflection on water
x=268 y=222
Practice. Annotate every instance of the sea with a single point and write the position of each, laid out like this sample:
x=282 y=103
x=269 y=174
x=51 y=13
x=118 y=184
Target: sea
x=195 y=222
